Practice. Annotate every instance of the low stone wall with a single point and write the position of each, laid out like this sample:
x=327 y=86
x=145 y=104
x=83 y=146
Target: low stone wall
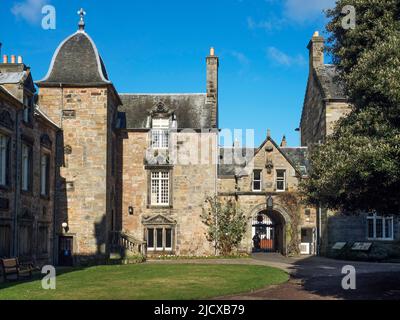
x=351 y=229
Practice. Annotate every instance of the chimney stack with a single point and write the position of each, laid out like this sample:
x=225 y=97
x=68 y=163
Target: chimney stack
x=5 y=58
x=316 y=49
x=212 y=86
x=20 y=61
x=12 y=58
x=284 y=142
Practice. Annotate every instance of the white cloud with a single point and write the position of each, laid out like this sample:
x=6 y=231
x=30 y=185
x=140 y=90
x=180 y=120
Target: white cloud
x=241 y=57
x=303 y=10
x=29 y=10
x=284 y=59
x=267 y=25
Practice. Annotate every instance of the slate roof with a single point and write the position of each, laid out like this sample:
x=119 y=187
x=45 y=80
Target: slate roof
x=227 y=167
x=299 y=157
x=76 y=62
x=229 y=164
x=191 y=110
x=12 y=77
x=327 y=77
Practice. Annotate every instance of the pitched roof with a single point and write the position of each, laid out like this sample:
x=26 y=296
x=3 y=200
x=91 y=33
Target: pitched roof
x=76 y=62
x=233 y=160
x=327 y=77
x=12 y=77
x=191 y=110
x=299 y=157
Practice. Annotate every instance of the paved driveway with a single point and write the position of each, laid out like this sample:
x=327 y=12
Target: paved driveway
x=317 y=278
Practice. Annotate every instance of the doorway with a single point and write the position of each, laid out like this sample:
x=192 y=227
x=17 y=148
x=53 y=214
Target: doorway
x=268 y=233
x=65 y=251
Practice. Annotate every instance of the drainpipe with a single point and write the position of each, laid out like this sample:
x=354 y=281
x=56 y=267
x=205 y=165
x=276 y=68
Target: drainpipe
x=55 y=194
x=216 y=187
x=17 y=186
x=319 y=229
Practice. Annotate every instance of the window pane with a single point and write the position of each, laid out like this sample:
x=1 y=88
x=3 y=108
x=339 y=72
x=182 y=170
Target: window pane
x=3 y=159
x=150 y=238
x=257 y=185
x=280 y=180
x=370 y=228
x=379 y=228
x=25 y=167
x=43 y=175
x=280 y=174
x=168 y=238
x=257 y=175
x=388 y=228
x=159 y=238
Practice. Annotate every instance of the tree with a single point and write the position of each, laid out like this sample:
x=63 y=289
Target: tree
x=358 y=168
x=226 y=224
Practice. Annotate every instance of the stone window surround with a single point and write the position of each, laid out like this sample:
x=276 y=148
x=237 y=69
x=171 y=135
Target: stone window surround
x=45 y=153
x=25 y=141
x=164 y=228
x=254 y=181
x=284 y=180
x=8 y=183
x=151 y=169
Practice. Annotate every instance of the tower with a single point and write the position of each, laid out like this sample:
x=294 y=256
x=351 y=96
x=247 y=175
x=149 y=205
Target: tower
x=78 y=96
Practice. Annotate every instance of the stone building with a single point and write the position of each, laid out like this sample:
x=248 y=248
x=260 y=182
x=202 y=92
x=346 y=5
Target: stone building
x=264 y=182
x=130 y=173
x=325 y=103
x=27 y=166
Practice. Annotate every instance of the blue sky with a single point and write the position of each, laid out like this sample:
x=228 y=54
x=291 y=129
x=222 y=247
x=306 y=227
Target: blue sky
x=160 y=46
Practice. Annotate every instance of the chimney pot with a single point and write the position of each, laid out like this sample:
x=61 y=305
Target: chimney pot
x=12 y=58
x=284 y=142
x=20 y=61
x=212 y=52
x=5 y=58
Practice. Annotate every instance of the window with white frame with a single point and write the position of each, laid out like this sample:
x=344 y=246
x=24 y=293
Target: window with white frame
x=26 y=167
x=160 y=188
x=160 y=134
x=159 y=238
x=4 y=159
x=280 y=180
x=257 y=181
x=44 y=174
x=380 y=227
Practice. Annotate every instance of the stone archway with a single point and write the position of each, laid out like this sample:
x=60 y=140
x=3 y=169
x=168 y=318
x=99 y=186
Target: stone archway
x=272 y=228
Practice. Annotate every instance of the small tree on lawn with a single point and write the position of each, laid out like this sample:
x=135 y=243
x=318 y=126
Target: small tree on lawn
x=226 y=224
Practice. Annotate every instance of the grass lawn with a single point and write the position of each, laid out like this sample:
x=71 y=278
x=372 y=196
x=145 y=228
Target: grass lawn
x=148 y=281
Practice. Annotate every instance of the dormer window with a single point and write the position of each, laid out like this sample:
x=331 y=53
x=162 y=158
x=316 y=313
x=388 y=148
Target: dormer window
x=160 y=133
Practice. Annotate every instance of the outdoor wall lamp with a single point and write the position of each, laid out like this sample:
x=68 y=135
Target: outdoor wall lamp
x=65 y=227
x=131 y=211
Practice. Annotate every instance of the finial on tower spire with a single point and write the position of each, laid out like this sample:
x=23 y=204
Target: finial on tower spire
x=81 y=24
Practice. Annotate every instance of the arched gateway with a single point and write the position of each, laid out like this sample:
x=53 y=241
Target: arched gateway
x=268 y=229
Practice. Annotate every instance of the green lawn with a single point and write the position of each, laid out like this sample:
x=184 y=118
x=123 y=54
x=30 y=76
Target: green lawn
x=148 y=281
